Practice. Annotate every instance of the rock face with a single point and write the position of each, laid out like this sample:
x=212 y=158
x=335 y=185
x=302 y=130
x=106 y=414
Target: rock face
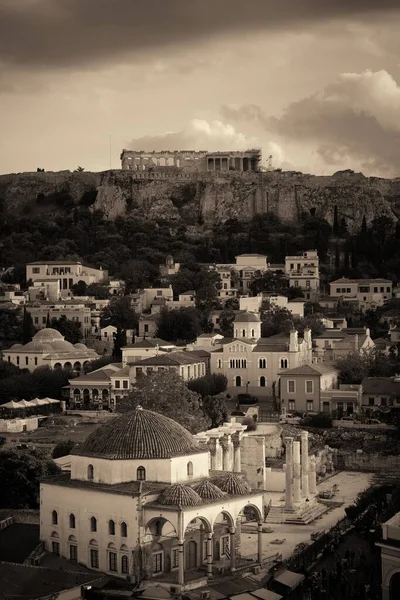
x=202 y=197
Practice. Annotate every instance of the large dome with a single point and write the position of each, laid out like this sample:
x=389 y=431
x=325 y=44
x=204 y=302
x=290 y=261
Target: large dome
x=48 y=335
x=140 y=434
x=63 y=346
x=35 y=346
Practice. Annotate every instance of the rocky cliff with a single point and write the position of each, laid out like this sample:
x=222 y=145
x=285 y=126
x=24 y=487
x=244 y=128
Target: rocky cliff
x=203 y=197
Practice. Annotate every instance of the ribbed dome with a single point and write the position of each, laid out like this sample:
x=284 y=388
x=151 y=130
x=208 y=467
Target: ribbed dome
x=233 y=484
x=179 y=495
x=208 y=491
x=48 y=335
x=140 y=434
x=247 y=317
x=35 y=346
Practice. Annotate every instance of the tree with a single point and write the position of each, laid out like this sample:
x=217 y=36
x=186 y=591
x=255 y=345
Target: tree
x=11 y=330
x=20 y=474
x=226 y=321
x=209 y=385
x=8 y=369
x=63 y=449
x=28 y=329
x=71 y=330
x=267 y=281
x=321 y=420
x=119 y=343
x=165 y=392
x=139 y=274
x=79 y=288
x=216 y=410
x=356 y=366
x=275 y=319
x=98 y=290
x=100 y=362
x=335 y=221
x=120 y=314
x=178 y=325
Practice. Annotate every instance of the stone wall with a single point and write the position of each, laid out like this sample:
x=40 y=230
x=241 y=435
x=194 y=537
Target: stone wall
x=253 y=460
x=211 y=196
x=18 y=425
x=366 y=462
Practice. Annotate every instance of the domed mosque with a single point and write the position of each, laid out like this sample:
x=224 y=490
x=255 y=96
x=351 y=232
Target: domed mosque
x=146 y=499
x=49 y=347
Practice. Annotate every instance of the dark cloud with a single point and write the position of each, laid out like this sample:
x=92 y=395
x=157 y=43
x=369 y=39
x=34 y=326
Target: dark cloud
x=65 y=33
x=354 y=120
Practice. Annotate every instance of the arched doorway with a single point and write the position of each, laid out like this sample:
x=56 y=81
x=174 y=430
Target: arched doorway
x=191 y=555
x=394 y=587
x=86 y=397
x=238 y=381
x=223 y=531
x=197 y=537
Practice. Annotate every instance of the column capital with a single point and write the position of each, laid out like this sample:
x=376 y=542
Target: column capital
x=232 y=530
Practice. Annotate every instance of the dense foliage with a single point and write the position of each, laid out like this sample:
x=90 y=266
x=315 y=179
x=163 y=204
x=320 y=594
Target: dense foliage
x=209 y=385
x=23 y=385
x=356 y=366
x=62 y=449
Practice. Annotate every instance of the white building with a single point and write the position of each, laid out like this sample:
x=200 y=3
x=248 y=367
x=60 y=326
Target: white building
x=67 y=272
x=253 y=303
x=390 y=558
x=368 y=293
x=303 y=272
x=145 y=499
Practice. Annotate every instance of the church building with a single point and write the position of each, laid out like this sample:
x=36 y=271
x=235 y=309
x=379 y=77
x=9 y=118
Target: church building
x=145 y=499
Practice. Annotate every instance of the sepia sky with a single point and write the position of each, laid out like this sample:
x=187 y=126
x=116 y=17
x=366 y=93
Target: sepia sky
x=315 y=83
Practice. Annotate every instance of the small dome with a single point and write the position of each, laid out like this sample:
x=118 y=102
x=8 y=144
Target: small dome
x=62 y=346
x=140 y=434
x=233 y=484
x=80 y=347
x=35 y=346
x=48 y=335
x=179 y=495
x=247 y=317
x=16 y=347
x=208 y=491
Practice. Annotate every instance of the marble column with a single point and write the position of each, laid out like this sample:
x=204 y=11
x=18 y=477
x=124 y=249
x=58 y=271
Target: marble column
x=209 y=554
x=237 y=459
x=259 y=542
x=296 y=472
x=213 y=454
x=289 y=474
x=181 y=564
x=312 y=476
x=226 y=444
x=232 y=548
x=304 y=464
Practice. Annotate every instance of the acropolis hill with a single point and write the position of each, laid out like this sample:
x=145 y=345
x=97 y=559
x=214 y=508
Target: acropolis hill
x=200 y=187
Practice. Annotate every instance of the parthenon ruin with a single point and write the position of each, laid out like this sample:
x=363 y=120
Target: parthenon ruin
x=190 y=161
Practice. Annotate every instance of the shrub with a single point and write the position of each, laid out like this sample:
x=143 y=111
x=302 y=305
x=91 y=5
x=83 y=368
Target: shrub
x=321 y=421
x=251 y=423
x=63 y=449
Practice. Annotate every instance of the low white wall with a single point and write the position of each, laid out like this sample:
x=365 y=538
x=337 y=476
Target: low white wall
x=18 y=425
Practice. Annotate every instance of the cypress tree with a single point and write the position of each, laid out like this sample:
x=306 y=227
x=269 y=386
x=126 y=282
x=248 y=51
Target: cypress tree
x=335 y=221
x=28 y=330
x=337 y=258
x=48 y=324
x=364 y=225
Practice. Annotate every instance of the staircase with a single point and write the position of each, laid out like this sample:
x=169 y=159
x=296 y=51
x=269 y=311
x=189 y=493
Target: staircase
x=302 y=515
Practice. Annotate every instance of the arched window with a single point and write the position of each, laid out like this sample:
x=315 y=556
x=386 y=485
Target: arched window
x=253 y=334
x=93 y=524
x=262 y=363
x=141 y=474
x=158 y=528
x=72 y=523
x=111 y=527
x=238 y=381
x=90 y=472
x=284 y=363
x=263 y=382
x=124 y=564
x=243 y=333
x=124 y=529
x=54 y=518
x=189 y=469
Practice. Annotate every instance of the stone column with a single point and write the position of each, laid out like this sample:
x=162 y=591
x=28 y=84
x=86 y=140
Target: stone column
x=296 y=471
x=209 y=554
x=232 y=548
x=312 y=476
x=226 y=444
x=259 y=542
x=237 y=459
x=289 y=473
x=181 y=565
x=304 y=464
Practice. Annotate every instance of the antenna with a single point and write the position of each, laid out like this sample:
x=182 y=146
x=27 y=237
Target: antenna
x=110 y=152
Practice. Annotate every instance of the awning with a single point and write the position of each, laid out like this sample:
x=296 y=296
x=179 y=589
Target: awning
x=52 y=400
x=11 y=404
x=25 y=404
x=39 y=402
x=289 y=579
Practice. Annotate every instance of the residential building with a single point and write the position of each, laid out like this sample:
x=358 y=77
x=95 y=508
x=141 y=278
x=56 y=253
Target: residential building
x=68 y=272
x=144 y=499
x=148 y=325
x=116 y=287
x=301 y=387
x=12 y=293
x=45 y=289
x=145 y=349
x=332 y=344
x=345 y=400
x=189 y=365
x=72 y=310
x=389 y=544
x=101 y=389
x=252 y=364
x=334 y=322
x=303 y=272
x=107 y=334
x=153 y=294
x=169 y=268
x=380 y=395
x=49 y=348
x=368 y=293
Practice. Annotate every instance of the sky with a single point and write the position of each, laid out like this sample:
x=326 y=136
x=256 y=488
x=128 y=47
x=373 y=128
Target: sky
x=314 y=83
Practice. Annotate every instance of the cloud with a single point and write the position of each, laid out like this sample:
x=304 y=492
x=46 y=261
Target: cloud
x=74 y=33
x=352 y=123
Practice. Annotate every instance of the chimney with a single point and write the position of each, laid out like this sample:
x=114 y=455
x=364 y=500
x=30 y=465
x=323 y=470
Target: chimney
x=308 y=338
x=293 y=341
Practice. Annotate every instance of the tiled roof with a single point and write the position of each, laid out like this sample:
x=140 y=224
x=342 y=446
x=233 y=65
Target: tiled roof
x=101 y=375
x=247 y=317
x=170 y=359
x=121 y=372
x=179 y=495
x=232 y=484
x=23 y=582
x=128 y=488
x=140 y=434
x=381 y=385
x=202 y=353
x=315 y=369
x=55 y=262
x=208 y=490
x=360 y=281
x=149 y=343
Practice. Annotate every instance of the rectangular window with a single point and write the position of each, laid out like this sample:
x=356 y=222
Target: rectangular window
x=383 y=401
x=73 y=553
x=292 y=405
x=117 y=383
x=174 y=558
x=310 y=405
x=94 y=558
x=291 y=387
x=36 y=320
x=308 y=284
x=159 y=292
x=55 y=548
x=375 y=290
x=348 y=290
x=112 y=562
x=204 y=551
x=388 y=290
x=371 y=401
x=309 y=387
x=158 y=562
x=338 y=290
x=146 y=328
x=36 y=270
x=363 y=289
x=382 y=290
x=44 y=320
x=26 y=360
x=125 y=384
x=17 y=360
x=224 y=545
